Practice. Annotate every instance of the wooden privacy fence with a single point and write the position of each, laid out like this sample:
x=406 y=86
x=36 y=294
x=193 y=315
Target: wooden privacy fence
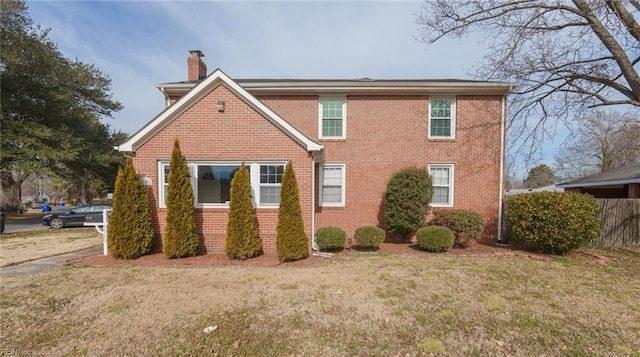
x=620 y=222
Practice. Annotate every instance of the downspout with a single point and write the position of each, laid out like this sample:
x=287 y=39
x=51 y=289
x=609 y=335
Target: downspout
x=502 y=162
x=314 y=246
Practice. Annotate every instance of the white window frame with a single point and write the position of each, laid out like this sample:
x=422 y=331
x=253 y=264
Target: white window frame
x=342 y=203
x=260 y=185
x=344 y=117
x=254 y=169
x=450 y=185
x=453 y=118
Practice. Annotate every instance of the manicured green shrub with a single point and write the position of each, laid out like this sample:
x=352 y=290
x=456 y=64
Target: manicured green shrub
x=369 y=237
x=406 y=201
x=130 y=230
x=331 y=238
x=467 y=225
x=243 y=238
x=292 y=242
x=554 y=222
x=435 y=238
x=181 y=238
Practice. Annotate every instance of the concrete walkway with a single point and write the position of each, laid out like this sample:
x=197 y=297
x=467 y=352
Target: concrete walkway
x=44 y=264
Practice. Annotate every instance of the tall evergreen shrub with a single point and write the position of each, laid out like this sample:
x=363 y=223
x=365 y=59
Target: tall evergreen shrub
x=406 y=201
x=130 y=230
x=243 y=239
x=292 y=242
x=181 y=238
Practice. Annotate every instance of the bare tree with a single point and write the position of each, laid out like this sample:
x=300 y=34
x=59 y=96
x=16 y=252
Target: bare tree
x=606 y=140
x=565 y=56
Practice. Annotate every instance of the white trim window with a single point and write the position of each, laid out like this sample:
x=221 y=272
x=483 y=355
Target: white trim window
x=442 y=121
x=163 y=182
x=332 y=118
x=442 y=180
x=270 y=184
x=332 y=185
x=211 y=182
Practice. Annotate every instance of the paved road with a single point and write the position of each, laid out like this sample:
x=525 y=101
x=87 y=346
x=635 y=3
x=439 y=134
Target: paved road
x=30 y=224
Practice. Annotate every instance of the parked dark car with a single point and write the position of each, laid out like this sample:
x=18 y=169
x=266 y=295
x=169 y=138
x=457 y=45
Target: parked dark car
x=75 y=217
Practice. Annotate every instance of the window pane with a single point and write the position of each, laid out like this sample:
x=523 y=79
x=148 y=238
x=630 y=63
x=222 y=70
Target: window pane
x=440 y=127
x=440 y=176
x=214 y=183
x=331 y=127
x=331 y=194
x=332 y=118
x=271 y=173
x=331 y=109
x=270 y=195
x=440 y=195
x=441 y=108
x=332 y=184
x=270 y=183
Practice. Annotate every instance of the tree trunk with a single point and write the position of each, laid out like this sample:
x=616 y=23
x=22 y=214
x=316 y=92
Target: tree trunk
x=9 y=192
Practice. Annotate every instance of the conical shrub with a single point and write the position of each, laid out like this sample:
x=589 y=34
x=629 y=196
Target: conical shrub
x=181 y=239
x=243 y=238
x=130 y=230
x=292 y=242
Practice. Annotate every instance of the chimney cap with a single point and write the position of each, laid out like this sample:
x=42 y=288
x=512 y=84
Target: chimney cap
x=196 y=53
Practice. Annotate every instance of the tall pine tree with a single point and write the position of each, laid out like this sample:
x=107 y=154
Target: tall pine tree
x=292 y=242
x=181 y=238
x=243 y=239
x=130 y=230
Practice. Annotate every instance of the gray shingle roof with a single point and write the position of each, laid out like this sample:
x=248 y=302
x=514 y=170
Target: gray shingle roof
x=622 y=175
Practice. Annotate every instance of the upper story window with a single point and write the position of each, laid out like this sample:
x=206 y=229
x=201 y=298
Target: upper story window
x=211 y=182
x=333 y=118
x=442 y=180
x=442 y=123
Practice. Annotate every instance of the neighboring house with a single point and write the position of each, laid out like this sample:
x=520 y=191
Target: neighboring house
x=345 y=139
x=622 y=182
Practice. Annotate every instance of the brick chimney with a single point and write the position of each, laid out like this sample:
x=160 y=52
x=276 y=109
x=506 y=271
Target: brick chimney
x=197 y=69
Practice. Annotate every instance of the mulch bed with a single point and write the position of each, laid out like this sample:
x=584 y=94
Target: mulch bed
x=477 y=249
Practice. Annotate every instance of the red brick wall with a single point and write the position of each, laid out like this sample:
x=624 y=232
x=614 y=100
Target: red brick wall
x=387 y=133
x=238 y=133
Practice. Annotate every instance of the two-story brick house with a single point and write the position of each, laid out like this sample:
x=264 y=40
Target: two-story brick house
x=345 y=139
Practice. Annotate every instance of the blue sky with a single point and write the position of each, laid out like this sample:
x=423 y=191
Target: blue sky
x=139 y=44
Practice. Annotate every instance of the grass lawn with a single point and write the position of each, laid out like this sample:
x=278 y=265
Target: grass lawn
x=22 y=247
x=360 y=304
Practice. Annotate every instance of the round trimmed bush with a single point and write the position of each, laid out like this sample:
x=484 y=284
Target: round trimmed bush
x=369 y=237
x=554 y=222
x=435 y=238
x=467 y=225
x=331 y=238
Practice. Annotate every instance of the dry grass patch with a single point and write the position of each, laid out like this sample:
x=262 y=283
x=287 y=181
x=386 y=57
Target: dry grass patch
x=363 y=304
x=21 y=247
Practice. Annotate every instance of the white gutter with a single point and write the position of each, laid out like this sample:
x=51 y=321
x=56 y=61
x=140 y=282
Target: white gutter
x=167 y=100
x=502 y=162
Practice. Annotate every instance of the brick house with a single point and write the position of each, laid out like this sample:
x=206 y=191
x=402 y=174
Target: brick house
x=345 y=138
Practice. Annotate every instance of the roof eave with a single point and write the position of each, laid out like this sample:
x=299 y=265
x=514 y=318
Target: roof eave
x=599 y=183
